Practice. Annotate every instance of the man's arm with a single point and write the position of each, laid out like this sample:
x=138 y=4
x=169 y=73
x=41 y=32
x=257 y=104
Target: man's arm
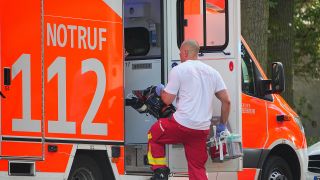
x=223 y=96
x=169 y=93
x=167 y=98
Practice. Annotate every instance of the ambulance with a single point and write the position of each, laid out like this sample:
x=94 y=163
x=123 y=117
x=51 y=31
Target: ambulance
x=64 y=80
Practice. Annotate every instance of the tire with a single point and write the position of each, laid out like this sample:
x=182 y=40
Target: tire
x=276 y=168
x=85 y=168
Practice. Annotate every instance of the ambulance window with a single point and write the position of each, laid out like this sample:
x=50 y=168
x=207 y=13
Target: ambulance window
x=211 y=35
x=250 y=75
x=248 y=80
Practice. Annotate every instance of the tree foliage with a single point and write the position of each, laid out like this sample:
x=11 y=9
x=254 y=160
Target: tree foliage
x=307 y=56
x=307 y=38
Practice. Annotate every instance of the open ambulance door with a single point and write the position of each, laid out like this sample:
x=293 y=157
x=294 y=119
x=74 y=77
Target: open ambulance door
x=83 y=71
x=215 y=24
x=61 y=75
x=21 y=125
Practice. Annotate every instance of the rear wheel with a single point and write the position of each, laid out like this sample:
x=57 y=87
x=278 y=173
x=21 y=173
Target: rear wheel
x=276 y=168
x=85 y=168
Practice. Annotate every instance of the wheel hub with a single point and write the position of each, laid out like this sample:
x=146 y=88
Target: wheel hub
x=82 y=174
x=277 y=175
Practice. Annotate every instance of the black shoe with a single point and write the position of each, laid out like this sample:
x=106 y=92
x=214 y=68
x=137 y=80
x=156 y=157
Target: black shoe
x=161 y=174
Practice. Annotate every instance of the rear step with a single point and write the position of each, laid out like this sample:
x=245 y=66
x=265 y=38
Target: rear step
x=22 y=168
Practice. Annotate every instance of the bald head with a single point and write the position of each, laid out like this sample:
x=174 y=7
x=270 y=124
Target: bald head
x=189 y=50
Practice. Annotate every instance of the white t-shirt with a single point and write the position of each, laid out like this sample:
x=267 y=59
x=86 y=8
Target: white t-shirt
x=195 y=85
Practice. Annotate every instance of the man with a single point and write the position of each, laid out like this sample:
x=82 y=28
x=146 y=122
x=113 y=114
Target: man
x=193 y=84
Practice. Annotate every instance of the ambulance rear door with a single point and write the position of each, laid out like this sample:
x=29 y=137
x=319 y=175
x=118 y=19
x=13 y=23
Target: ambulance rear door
x=21 y=80
x=65 y=80
x=215 y=24
x=83 y=71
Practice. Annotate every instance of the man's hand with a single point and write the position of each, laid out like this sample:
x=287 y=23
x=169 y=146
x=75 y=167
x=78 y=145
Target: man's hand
x=159 y=88
x=165 y=97
x=220 y=128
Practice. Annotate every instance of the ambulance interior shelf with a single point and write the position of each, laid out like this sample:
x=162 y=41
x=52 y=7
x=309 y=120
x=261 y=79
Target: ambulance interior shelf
x=132 y=58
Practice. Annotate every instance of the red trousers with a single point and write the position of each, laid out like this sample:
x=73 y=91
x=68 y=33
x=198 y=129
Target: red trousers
x=168 y=131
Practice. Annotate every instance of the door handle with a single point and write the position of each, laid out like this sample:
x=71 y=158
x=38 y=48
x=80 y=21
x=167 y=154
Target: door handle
x=6 y=79
x=7 y=76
